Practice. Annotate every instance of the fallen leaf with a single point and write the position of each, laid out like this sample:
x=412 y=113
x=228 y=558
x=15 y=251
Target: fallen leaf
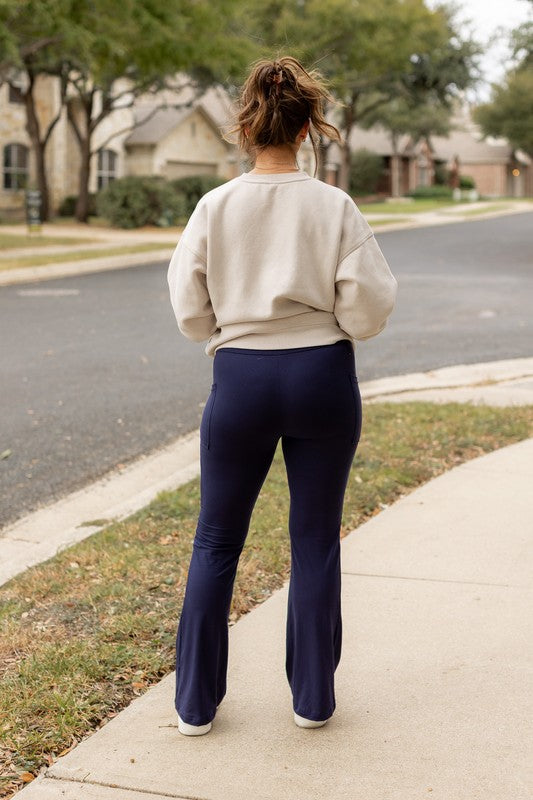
x=27 y=777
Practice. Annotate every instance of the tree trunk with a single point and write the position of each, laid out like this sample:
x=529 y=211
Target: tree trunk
x=322 y=148
x=344 y=168
x=82 y=203
x=39 y=146
x=395 y=167
x=83 y=130
x=346 y=154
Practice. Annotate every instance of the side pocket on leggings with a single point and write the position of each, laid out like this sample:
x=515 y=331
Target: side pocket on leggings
x=356 y=430
x=205 y=425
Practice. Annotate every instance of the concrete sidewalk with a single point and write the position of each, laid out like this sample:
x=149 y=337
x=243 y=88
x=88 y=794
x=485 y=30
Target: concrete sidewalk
x=433 y=697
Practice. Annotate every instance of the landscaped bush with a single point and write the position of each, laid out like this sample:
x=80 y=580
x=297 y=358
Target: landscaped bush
x=192 y=187
x=365 y=172
x=466 y=182
x=442 y=192
x=134 y=201
x=68 y=205
x=441 y=174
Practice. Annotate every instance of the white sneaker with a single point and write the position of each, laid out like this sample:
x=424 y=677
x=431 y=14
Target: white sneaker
x=302 y=722
x=192 y=730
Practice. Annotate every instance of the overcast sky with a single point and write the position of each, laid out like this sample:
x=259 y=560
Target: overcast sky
x=487 y=17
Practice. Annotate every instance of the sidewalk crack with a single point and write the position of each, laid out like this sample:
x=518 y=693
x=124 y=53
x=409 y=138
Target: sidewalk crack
x=109 y=785
x=431 y=580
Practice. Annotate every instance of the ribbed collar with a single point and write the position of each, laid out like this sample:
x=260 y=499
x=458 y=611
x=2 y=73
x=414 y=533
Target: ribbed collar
x=279 y=177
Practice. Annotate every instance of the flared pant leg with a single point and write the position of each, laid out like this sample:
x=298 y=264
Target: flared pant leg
x=238 y=440
x=318 y=472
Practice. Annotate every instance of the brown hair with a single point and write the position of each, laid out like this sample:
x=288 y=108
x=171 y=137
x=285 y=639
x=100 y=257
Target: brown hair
x=277 y=98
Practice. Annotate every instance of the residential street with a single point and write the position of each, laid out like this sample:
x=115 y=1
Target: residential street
x=95 y=372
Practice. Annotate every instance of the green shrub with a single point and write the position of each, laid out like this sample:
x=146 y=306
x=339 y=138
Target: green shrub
x=466 y=182
x=443 y=192
x=441 y=175
x=134 y=201
x=68 y=205
x=365 y=171
x=192 y=187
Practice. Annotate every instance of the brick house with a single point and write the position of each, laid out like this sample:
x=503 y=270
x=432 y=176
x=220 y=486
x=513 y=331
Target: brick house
x=497 y=169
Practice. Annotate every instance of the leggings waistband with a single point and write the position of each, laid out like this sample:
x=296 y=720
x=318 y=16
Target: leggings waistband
x=283 y=351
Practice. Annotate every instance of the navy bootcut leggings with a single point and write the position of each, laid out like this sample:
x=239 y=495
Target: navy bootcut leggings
x=309 y=397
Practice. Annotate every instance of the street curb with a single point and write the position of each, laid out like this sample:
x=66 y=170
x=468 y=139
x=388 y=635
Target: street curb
x=86 y=266
x=437 y=218
x=454 y=377
x=121 y=492
x=69 y=269
x=40 y=535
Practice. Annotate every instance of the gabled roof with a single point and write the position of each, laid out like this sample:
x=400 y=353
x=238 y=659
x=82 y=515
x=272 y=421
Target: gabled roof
x=378 y=140
x=214 y=105
x=471 y=147
x=162 y=122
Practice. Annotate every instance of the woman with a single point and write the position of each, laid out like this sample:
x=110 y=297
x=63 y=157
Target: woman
x=280 y=273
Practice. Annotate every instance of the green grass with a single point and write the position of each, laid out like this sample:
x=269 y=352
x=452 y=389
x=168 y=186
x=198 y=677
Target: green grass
x=382 y=221
x=83 y=633
x=10 y=241
x=81 y=255
x=473 y=212
x=100 y=222
x=408 y=207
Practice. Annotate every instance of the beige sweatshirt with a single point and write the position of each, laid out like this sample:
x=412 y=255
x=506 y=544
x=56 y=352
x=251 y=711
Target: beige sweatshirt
x=278 y=261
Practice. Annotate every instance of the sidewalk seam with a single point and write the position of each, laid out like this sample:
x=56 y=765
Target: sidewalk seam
x=431 y=580
x=124 y=788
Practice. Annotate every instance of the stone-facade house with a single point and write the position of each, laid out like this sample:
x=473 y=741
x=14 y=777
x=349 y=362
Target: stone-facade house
x=190 y=136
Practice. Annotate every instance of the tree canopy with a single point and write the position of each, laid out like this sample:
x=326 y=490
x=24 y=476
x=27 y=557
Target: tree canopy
x=509 y=112
x=371 y=51
x=91 y=44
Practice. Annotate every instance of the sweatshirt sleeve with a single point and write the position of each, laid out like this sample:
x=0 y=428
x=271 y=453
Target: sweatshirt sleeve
x=365 y=289
x=187 y=281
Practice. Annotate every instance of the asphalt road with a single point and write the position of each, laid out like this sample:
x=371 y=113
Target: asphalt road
x=94 y=371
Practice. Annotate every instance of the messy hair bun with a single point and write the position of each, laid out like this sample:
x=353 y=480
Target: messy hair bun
x=277 y=98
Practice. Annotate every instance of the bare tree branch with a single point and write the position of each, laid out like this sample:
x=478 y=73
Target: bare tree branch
x=26 y=51
x=138 y=123
x=153 y=111
x=73 y=121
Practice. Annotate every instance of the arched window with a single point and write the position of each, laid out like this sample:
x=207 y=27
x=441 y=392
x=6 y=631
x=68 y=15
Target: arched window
x=107 y=167
x=15 y=166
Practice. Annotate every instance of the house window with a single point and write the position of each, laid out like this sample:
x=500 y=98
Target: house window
x=15 y=94
x=423 y=172
x=15 y=166
x=107 y=168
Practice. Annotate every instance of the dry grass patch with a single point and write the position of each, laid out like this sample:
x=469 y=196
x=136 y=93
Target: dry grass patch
x=44 y=258
x=12 y=241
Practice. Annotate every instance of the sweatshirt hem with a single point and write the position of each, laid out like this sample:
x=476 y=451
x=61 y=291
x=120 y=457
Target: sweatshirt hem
x=281 y=340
